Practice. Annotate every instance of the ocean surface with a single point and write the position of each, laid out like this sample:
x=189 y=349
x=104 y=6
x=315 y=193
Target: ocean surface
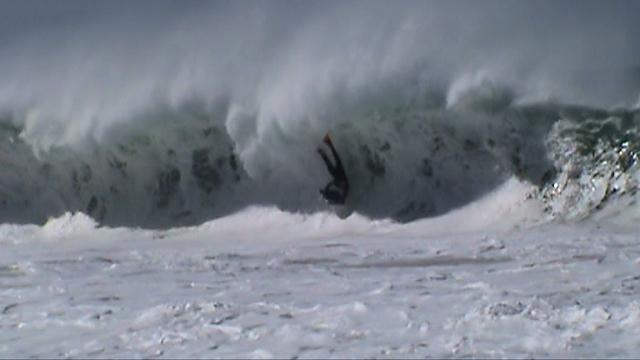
x=159 y=179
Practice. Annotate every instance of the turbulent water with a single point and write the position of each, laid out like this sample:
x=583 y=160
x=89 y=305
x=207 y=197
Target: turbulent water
x=159 y=179
x=181 y=113
x=405 y=159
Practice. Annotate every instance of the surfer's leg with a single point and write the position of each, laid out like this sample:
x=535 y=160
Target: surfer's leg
x=338 y=162
x=327 y=162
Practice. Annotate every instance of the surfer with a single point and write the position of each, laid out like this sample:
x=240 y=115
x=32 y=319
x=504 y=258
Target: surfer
x=337 y=190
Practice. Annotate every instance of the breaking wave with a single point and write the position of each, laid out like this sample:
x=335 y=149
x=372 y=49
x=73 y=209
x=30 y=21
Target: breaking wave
x=167 y=113
x=407 y=157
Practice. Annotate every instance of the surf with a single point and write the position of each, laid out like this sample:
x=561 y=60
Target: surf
x=405 y=161
x=195 y=111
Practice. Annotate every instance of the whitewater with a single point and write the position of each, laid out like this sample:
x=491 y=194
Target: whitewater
x=159 y=179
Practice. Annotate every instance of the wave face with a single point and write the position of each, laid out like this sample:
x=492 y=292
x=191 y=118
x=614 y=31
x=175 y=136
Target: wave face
x=405 y=160
x=170 y=113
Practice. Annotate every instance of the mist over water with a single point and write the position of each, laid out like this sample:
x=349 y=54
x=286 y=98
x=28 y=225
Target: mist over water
x=73 y=69
x=273 y=77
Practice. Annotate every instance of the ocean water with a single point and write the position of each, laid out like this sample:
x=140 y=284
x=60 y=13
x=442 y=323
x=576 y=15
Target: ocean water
x=159 y=179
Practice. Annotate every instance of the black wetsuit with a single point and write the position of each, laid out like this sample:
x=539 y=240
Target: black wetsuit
x=336 y=191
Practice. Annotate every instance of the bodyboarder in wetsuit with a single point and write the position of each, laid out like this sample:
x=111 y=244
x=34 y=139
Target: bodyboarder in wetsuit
x=336 y=191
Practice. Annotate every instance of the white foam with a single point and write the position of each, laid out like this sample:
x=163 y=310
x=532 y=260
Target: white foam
x=509 y=206
x=264 y=282
x=67 y=225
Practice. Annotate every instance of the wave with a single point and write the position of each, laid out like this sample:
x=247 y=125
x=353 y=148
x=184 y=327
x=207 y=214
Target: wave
x=407 y=157
x=161 y=114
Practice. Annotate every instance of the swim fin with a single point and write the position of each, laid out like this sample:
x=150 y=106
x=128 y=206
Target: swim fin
x=327 y=139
